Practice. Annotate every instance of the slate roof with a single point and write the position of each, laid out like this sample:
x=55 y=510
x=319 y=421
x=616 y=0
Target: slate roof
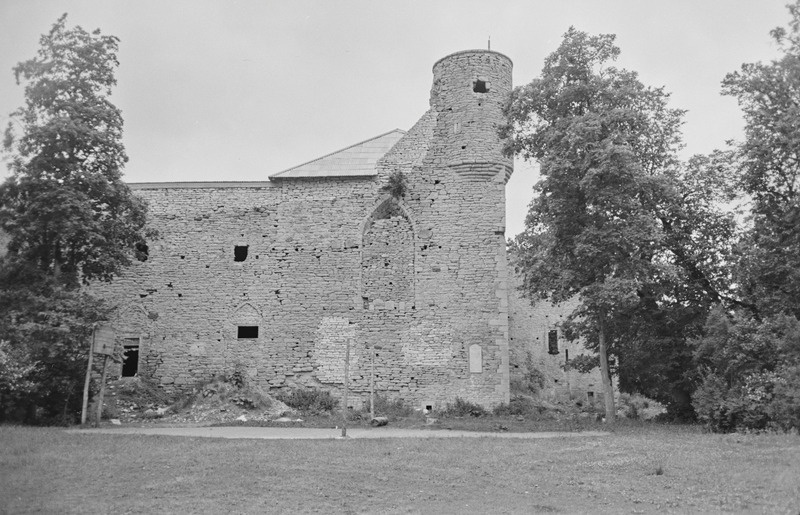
x=357 y=160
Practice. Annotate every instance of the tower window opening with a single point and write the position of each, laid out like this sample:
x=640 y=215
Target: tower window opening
x=479 y=86
x=552 y=342
x=240 y=252
x=247 y=331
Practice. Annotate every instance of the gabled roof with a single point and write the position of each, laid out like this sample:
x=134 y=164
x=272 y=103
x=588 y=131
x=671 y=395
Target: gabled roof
x=357 y=160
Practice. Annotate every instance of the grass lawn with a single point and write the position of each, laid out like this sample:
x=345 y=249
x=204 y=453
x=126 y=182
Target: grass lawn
x=634 y=470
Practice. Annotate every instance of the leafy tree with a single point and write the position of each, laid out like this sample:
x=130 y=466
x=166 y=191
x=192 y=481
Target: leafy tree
x=618 y=222
x=751 y=371
x=750 y=358
x=769 y=165
x=68 y=218
x=65 y=207
x=44 y=330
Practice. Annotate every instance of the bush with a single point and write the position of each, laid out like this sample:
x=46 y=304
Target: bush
x=519 y=405
x=393 y=408
x=708 y=402
x=309 y=400
x=636 y=406
x=784 y=410
x=530 y=381
x=462 y=408
x=752 y=376
x=765 y=400
x=396 y=185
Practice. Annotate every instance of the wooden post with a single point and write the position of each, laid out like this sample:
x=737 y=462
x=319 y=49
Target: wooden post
x=374 y=350
x=346 y=386
x=372 y=385
x=102 y=391
x=88 y=379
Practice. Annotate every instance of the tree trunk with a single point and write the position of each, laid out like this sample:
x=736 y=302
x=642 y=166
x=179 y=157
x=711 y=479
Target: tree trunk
x=605 y=375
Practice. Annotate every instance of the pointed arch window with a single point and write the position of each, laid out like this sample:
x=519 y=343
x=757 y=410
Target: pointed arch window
x=387 y=256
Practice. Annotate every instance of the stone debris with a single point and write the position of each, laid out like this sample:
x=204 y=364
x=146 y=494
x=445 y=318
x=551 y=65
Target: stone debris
x=288 y=420
x=379 y=421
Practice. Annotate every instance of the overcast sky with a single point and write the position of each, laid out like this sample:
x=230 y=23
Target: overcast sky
x=238 y=90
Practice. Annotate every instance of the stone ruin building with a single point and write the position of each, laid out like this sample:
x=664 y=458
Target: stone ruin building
x=276 y=278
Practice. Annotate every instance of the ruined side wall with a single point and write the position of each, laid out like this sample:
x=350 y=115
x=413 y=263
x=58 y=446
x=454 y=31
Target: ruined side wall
x=188 y=298
x=529 y=326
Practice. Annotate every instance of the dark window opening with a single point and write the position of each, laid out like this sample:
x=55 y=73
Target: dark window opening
x=130 y=357
x=429 y=408
x=142 y=252
x=566 y=356
x=240 y=252
x=479 y=86
x=552 y=342
x=247 y=331
x=590 y=395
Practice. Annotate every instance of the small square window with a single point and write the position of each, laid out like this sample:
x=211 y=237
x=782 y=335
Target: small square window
x=240 y=252
x=247 y=331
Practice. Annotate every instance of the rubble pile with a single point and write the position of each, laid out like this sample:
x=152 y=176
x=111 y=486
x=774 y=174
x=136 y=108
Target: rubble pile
x=132 y=400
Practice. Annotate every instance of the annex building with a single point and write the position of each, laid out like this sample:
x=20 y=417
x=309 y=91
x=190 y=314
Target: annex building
x=277 y=278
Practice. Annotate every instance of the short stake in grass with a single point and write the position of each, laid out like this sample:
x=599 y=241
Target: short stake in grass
x=375 y=349
x=346 y=386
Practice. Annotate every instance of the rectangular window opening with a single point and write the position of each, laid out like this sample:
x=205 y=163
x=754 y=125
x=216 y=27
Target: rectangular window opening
x=247 y=331
x=142 y=251
x=240 y=252
x=552 y=342
x=130 y=357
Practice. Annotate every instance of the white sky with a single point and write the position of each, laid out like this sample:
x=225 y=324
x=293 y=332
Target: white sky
x=238 y=90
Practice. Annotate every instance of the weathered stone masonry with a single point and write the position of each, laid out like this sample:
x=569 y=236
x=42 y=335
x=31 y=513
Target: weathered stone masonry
x=330 y=259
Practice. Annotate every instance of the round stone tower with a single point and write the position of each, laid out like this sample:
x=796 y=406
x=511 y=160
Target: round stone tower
x=469 y=91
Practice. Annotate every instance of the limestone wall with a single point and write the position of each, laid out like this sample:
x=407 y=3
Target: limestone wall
x=334 y=260
x=530 y=326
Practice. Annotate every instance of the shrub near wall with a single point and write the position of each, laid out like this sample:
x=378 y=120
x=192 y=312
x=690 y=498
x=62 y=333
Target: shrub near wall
x=752 y=378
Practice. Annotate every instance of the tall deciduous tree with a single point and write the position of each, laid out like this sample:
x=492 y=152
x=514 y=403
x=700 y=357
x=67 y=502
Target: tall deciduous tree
x=67 y=216
x=751 y=357
x=617 y=221
x=65 y=206
x=769 y=163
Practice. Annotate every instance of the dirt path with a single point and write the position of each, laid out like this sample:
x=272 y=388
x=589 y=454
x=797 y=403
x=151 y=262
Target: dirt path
x=297 y=433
